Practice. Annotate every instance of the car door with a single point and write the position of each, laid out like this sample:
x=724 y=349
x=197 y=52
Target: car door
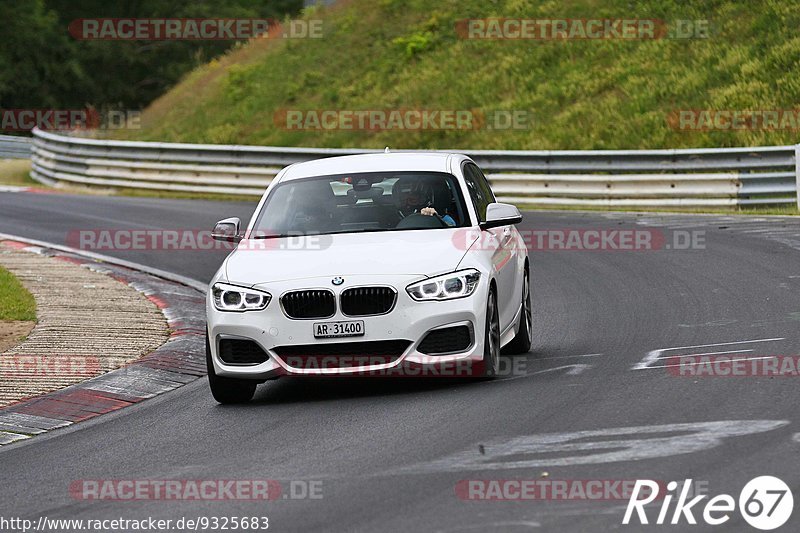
x=500 y=245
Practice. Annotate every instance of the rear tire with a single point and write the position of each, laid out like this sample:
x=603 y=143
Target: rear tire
x=228 y=390
x=491 y=339
x=521 y=343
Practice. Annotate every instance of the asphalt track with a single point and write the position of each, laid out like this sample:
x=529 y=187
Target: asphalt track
x=389 y=455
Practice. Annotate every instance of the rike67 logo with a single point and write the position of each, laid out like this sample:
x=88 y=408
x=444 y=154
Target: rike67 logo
x=765 y=503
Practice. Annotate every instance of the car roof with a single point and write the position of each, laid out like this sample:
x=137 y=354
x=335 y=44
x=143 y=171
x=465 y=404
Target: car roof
x=380 y=162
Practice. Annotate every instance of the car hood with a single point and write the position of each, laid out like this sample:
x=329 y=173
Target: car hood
x=414 y=252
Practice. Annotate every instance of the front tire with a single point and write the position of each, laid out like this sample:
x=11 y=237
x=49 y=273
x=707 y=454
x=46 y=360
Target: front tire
x=491 y=339
x=521 y=343
x=228 y=390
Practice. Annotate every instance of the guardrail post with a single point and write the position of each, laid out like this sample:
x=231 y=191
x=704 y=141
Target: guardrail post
x=797 y=171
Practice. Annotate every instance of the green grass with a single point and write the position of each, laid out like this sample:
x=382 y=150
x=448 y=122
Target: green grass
x=389 y=54
x=743 y=210
x=16 y=172
x=16 y=303
x=150 y=193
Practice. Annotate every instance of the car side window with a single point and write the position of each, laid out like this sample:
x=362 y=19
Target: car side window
x=484 y=185
x=477 y=190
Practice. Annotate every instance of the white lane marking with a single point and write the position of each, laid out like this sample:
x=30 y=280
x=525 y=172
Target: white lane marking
x=495 y=525
x=723 y=344
x=796 y=437
x=566 y=356
x=655 y=355
x=705 y=353
x=574 y=370
x=713 y=323
x=705 y=362
x=593 y=447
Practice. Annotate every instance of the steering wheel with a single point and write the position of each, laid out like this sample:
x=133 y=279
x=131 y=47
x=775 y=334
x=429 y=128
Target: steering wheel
x=420 y=221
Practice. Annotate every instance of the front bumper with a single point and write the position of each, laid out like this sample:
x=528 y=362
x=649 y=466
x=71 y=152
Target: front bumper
x=408 y=320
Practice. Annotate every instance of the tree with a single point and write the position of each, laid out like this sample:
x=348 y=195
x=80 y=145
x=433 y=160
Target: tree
x=43 y=66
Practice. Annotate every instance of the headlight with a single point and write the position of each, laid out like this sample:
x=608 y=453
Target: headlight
x=446 y=286
x=232 y=298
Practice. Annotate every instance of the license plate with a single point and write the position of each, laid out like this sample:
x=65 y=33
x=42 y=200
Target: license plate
x=349 y=328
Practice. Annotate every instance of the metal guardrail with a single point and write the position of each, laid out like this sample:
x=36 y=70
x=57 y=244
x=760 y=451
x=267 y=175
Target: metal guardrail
x=13 y=147
x=687 y=177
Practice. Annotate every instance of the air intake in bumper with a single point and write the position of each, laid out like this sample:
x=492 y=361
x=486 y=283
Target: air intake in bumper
x=452 y=339
x=241 y=352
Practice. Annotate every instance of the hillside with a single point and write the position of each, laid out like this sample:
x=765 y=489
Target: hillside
x=581 y=94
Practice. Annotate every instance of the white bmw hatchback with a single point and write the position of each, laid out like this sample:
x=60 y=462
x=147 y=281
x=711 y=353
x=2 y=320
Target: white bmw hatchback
x=396 y=264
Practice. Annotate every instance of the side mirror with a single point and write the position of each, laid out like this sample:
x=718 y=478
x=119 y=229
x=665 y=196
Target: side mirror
x=227 y=230
x=498 y=214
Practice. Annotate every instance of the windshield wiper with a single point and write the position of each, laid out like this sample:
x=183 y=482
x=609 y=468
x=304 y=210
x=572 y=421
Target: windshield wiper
x=259 y=237
x=283 y=236
x=365 y=230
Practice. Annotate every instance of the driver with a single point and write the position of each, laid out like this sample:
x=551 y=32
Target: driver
x=417 y=196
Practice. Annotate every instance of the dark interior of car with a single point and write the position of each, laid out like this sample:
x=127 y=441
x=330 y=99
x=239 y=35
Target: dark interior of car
x=367 y=203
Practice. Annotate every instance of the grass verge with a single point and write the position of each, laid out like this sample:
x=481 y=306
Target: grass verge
x=787 y=210
x=16 y=172
x=16 y=303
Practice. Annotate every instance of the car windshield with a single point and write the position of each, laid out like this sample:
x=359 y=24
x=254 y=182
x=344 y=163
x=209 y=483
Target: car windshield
x=376 y=201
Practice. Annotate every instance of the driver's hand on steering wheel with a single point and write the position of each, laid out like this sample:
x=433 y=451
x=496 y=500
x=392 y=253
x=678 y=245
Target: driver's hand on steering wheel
x=430 y=211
